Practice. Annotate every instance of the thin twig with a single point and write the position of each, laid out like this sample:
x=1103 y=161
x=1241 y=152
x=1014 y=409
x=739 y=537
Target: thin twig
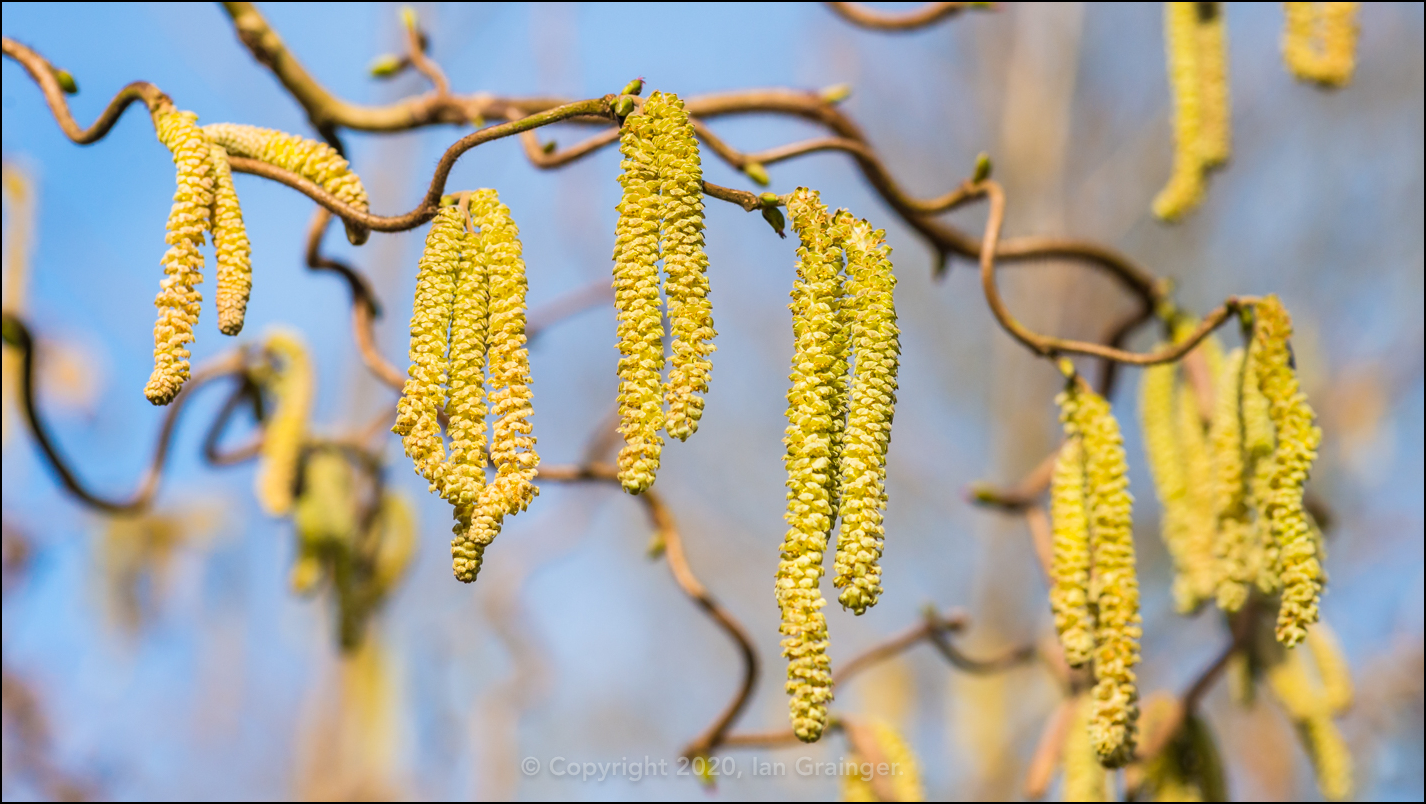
x=900 y=21
x=43 y=74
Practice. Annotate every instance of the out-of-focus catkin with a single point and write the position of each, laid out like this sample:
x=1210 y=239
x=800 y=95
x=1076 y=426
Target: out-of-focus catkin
x=871 y=316
x=1189 y=767
x=1297 y=441
x=512 y=447
x=1114 y=586
x=636 y=297
x=1195 y=38
x=289 y=381
x=230 y=243
x=1084 y=778
x=690 y=314
x=810 y=462
x=178 y=300
x=1069 y=588
x=1236 y=540
x=902 y=771
x=1319 y=41
x=1309 y=698
x=315 y=161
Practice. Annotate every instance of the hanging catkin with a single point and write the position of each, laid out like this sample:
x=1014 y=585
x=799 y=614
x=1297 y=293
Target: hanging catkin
x=230 y=244
x=1069 y=570
x=1195 y=38
x=896 y=764
x=1319 y=41
x=811 y=467
x=1085 y=778
x=315 y=161
x=1297 y=441
x=512 y=447
x=1114 y=587
x=871 y=315
x=178 y=300
x=636 y=296
x=290 y=384
x=1308 y=701
x=690 y=315
x=1235 y=546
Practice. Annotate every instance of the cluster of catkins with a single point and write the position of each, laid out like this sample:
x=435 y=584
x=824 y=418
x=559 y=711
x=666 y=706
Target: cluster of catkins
x=660 y=215
x=468 y=320
x=1319 y=44
x=1231 y=482
x=840 y=407
x=205 y=202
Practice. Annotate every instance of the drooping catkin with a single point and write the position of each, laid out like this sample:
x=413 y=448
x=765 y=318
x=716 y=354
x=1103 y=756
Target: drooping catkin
x=290 y=384
x=874 y=337
x=1234 y=548
x=425 y=392
x=1319 y=41
x=1158 y=415
x=1332 y=668
x=1189 y=767
x=811 y=471
x=1195 y=38
x=1308 y=702
x=1297 y=441
x=1200 y=572
x=324 y=517
x=1069 y=589
x=902 y=771
x=315 y=161
x=1114 y=587
x=230 y=243
x=512 y=447
x=690 y=315
x=178 y=300
x=636 y=296
x=1084 y=778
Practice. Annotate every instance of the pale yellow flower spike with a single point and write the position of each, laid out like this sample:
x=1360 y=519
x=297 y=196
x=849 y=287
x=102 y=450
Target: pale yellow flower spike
x=512 y=447
x=315 y=161
x=871 y=315
x=1084 y=778
x=425 y=393
x=636 y=296
x=1319 y=41
x=1190 y=767
x=1332 y=668
x=291 y=387
x=1069 y=589
x=903 y=776
x=1309 y=702
x=811 y=468
x=465 y=404
x=1200 y=568
x=690 y=315
x=230 y=242
x=1114 y=587
x=1234 y=548
x=1297 y=441
x=178 y=300
x=1158 y=412
x=1196 y=41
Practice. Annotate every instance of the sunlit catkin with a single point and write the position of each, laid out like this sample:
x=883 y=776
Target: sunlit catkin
x=1114 y=586
x=636 y=297
x=816 y=299
x=1069 y=588
x=289 y=383
x=315 y=161
x=424 y=395
x=1319 y=41
x=1297 y=441
x=230 y=243
x=1084 y=778
x=690 y=315
x=1200 y=568
x=1158 y=410
x=871 y=315
x=512 y=447
x=1195 y=39
x=1234 y=546
x=178 y=300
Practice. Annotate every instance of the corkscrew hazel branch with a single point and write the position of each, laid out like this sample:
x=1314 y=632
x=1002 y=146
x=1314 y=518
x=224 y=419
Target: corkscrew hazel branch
x=928 y=14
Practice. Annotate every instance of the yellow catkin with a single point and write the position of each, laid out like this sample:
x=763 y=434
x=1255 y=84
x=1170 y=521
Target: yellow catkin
x=425 y=392
x=872 y=403
x=1215 y=143
x=1189 y=767
x=1234 y=544
x=1319 y=41
x=636 y=296
x=512 y=447
x=1259 y=445
x=396 y=525
x=902 y=771
x=324 y=517
x=178 y=300
x=315 y=161
x=1114 y=586
x=1332 y=668
x=1308 y=702
x=1186 y=184
x=1297 y=441
x=290 y=385
x=1084 y=778
x=230 y=243
x=811 y=468
x=690 y=315
x=1200 y=568
x=1069 y=592
x=1158 y=415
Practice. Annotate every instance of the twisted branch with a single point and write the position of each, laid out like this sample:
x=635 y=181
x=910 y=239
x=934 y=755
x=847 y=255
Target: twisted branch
x=900 y=21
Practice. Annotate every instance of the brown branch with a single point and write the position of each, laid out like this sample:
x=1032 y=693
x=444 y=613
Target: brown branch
x=364 y=304
x=17 y=334
x=538 y=157
x=245 y=391
x=44 y=74
x=900 y=21
x=955 y=621
x=962 y=662
x=1022 y=495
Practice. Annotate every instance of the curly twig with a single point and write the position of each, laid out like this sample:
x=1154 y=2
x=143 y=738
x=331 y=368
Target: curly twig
x=44 y=73
x=928 y=14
